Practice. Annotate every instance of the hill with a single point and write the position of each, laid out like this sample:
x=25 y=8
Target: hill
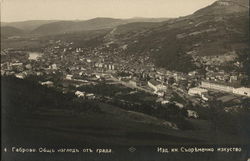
x=27 y=25
x=31 y=111
x=7 y=31
x=76 y=26
x=175 y=44
x=92 y=24
x=37 y=117
x=225 y=7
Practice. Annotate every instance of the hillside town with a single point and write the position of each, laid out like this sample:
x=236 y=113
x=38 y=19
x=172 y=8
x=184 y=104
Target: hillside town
x=60 y=64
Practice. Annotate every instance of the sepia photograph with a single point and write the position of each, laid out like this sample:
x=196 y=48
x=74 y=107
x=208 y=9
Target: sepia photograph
x=125 y=80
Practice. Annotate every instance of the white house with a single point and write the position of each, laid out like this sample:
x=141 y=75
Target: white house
x=47 y=83
x=69 y=77
x=242 y=91
x=80 y=94
x=157 y=86
x=159 y=93
x=192 y=114
x=90 y=96
x=20 y=75
x=197 y=91
x=54 y=66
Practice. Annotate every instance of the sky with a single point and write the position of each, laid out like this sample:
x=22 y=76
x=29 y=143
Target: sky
x=20 y=10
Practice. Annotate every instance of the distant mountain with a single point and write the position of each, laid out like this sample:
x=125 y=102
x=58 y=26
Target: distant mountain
x=27 y=25
x=7 y=31
x=47 y=27
x=92 y=24
x=75 y=26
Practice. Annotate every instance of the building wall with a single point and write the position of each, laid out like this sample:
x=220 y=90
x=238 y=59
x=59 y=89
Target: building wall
x=152 y=86
x=217 y=87
x=196 y=91
x=133 y=83
x=242 y=91
x=161 y=87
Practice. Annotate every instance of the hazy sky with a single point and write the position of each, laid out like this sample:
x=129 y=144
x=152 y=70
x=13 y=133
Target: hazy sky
x=18 y=10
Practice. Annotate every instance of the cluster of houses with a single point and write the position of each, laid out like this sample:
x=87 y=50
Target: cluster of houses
x=75 y=63
x=107 y=66
x=221 y=76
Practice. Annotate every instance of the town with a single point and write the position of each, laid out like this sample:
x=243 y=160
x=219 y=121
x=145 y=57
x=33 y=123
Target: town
x=61 y=65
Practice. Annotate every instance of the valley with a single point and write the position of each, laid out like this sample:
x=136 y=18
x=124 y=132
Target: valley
x=146 y=81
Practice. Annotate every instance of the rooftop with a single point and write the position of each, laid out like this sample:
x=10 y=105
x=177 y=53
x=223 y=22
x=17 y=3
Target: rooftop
x=154 y=82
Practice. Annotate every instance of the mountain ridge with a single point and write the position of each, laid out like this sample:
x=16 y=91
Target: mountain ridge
x=225 y=7
x=27 y=25
x=92 y=24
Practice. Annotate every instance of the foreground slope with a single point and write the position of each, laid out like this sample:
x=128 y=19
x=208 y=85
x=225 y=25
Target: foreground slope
x=31 y=112
x=37 y=115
